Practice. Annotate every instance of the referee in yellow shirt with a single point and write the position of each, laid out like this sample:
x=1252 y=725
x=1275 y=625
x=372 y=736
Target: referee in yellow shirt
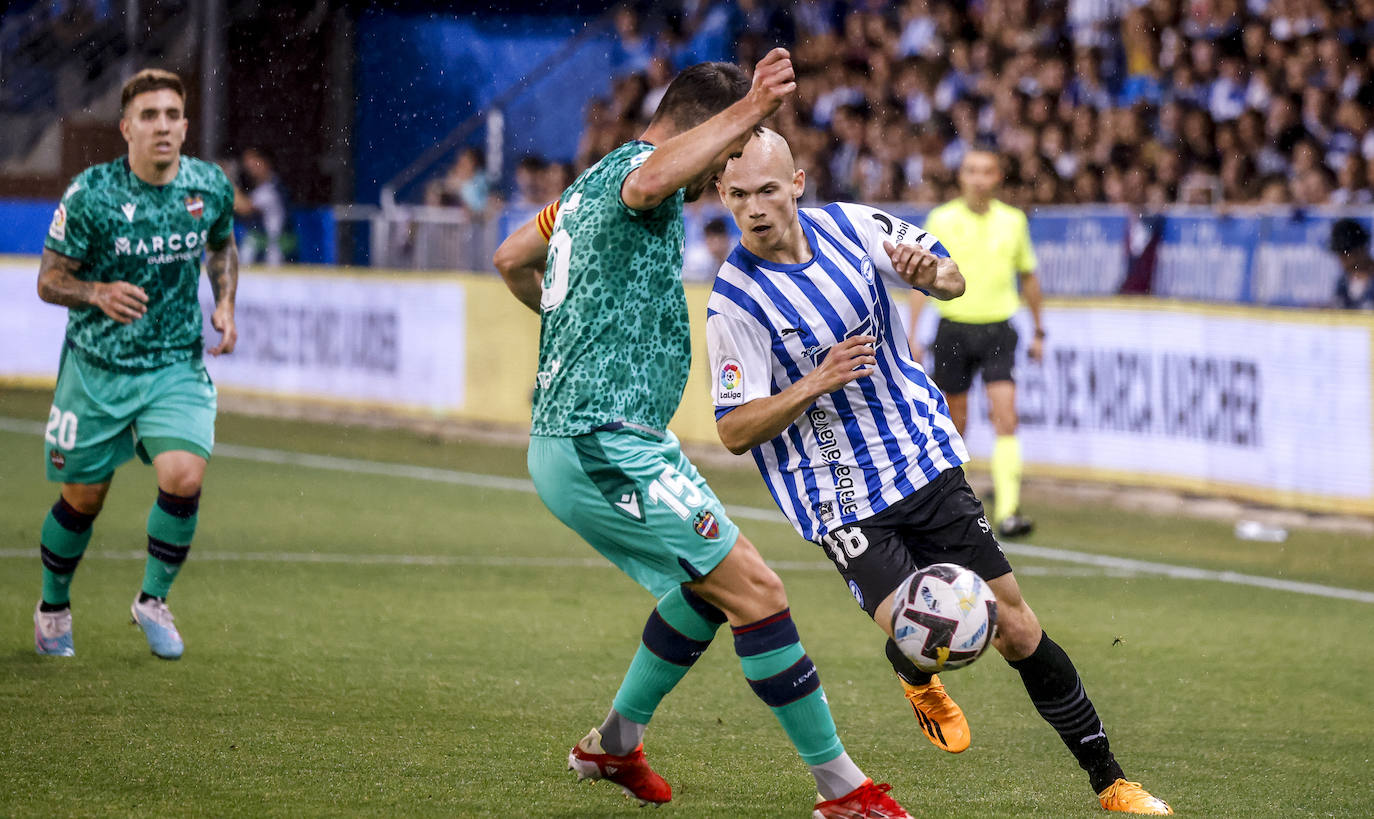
x=991 y=242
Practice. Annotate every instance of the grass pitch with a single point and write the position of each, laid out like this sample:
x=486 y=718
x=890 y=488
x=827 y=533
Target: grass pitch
x=373 y=641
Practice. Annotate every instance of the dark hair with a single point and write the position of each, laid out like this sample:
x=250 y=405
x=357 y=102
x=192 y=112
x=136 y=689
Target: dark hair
x=149 y=79
x=716 y=225
x=700 y=92
x=1347 y=236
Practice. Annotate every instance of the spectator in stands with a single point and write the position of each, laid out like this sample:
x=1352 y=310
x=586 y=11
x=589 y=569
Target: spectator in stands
x=1350 y=243
x=1127 y=83
x=529 y=190
x=262 y=207
x=704 y=258
x=464 y=186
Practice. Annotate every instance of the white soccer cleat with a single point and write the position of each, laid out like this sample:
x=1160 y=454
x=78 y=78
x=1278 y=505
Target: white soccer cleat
x=155 y=619
x=52 y=632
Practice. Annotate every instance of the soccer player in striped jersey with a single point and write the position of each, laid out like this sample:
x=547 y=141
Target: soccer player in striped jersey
x=605 y=275
x=814 y=377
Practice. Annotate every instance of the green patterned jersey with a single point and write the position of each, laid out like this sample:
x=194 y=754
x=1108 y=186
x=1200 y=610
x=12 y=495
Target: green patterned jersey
x=614 y=341
x=122 y=229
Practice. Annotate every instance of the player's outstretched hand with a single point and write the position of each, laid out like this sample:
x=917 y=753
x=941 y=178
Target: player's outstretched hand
x=121 y=301
x=774 y=80
x=916 y=265
x=850 y=360
x=223 y=320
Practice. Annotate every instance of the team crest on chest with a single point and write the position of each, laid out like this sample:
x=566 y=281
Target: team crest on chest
x=866 y=269
x=195 y=206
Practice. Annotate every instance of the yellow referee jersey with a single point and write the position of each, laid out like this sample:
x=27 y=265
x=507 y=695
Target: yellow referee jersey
x=992 y=249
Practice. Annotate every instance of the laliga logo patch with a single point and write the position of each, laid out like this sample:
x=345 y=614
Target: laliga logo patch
x=195 y=206
x=731 y=381
x=706 y=526
x=58 y=459
x=729 y=375
x=58 y=228
x=858 y=595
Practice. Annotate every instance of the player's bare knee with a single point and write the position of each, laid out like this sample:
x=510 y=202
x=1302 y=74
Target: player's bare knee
x=88 y=499
x=1018 y=631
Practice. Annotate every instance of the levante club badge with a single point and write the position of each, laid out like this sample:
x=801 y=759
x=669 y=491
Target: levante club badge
x=706 y=526
x=195 y=206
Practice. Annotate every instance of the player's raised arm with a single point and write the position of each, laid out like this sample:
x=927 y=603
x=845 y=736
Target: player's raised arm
x=923 y=270
x=222 y=268
x=521 y=257
x=58 y=284
x=682 y=158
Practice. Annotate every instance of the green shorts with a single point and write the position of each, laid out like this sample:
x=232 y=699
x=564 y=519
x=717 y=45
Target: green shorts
x=637 y=500
x=100 y=418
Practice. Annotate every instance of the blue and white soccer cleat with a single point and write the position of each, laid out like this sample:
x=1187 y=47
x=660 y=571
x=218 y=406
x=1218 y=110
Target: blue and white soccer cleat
x=52 y=632
x=155 y=619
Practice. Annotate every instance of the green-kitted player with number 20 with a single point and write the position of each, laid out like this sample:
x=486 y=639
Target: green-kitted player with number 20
x=123 y=254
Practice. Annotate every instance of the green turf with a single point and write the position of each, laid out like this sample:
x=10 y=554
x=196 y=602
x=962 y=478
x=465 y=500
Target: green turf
x=344 y=688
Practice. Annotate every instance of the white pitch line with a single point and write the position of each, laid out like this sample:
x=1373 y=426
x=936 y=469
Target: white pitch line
x=491 y=562
x=480 y=480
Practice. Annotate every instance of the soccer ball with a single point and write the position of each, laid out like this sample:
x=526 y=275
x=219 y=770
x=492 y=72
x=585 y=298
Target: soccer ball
x=943 y=617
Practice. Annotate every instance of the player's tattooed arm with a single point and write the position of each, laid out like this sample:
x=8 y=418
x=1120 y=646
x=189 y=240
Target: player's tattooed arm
x=222 y=268
x=58 y=284
x=520 y=260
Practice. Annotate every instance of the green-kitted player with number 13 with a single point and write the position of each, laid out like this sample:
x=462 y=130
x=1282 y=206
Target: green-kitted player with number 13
x=123 y=254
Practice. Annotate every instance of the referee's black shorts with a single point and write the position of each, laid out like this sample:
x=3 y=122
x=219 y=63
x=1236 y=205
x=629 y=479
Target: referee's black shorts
x=963 y=349
x=942 y=522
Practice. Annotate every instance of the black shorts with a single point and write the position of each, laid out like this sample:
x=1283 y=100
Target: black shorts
x=943 y=522
x=963 y=349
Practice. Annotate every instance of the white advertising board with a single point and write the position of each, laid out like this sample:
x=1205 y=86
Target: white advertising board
x=377 y=339
x=1274 y=403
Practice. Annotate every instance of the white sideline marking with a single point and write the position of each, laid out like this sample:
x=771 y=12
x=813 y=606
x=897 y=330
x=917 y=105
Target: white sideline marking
x=449 y=476
x=476 y=560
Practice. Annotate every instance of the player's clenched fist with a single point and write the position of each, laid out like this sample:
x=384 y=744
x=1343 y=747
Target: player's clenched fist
x=774 y=79
x=915 y=264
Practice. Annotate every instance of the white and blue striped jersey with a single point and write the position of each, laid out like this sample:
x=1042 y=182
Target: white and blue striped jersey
x=862 y=448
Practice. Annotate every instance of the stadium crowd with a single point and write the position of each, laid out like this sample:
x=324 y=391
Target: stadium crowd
x=1139 y=102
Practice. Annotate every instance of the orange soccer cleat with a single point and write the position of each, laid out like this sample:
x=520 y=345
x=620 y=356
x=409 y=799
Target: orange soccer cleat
x=1129 y=797
x=940 y=717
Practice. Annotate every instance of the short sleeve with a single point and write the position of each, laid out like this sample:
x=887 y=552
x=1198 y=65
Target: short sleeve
x=1025 y=253
x=739 y=352
x=223 y=227
x=70 y=231
x=618 y=173
x=874 y=227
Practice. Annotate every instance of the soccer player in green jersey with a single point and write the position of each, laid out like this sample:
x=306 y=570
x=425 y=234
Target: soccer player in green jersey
x=613 y=359
x=123 y=255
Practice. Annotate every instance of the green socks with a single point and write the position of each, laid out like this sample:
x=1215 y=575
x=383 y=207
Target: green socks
x=66 y=532
x=171 y=525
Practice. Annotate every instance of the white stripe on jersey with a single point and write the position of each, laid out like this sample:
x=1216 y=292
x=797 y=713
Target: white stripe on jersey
x=860 y=449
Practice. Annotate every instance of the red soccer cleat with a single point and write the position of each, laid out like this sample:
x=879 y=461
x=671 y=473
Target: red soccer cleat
x=868 y=801
x=631 y=771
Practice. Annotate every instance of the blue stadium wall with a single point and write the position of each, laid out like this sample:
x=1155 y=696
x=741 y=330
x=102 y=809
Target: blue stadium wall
x=420 y=77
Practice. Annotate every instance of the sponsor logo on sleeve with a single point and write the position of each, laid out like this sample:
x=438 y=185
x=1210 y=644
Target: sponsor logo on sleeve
x=730 y=383
x=58 y=228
